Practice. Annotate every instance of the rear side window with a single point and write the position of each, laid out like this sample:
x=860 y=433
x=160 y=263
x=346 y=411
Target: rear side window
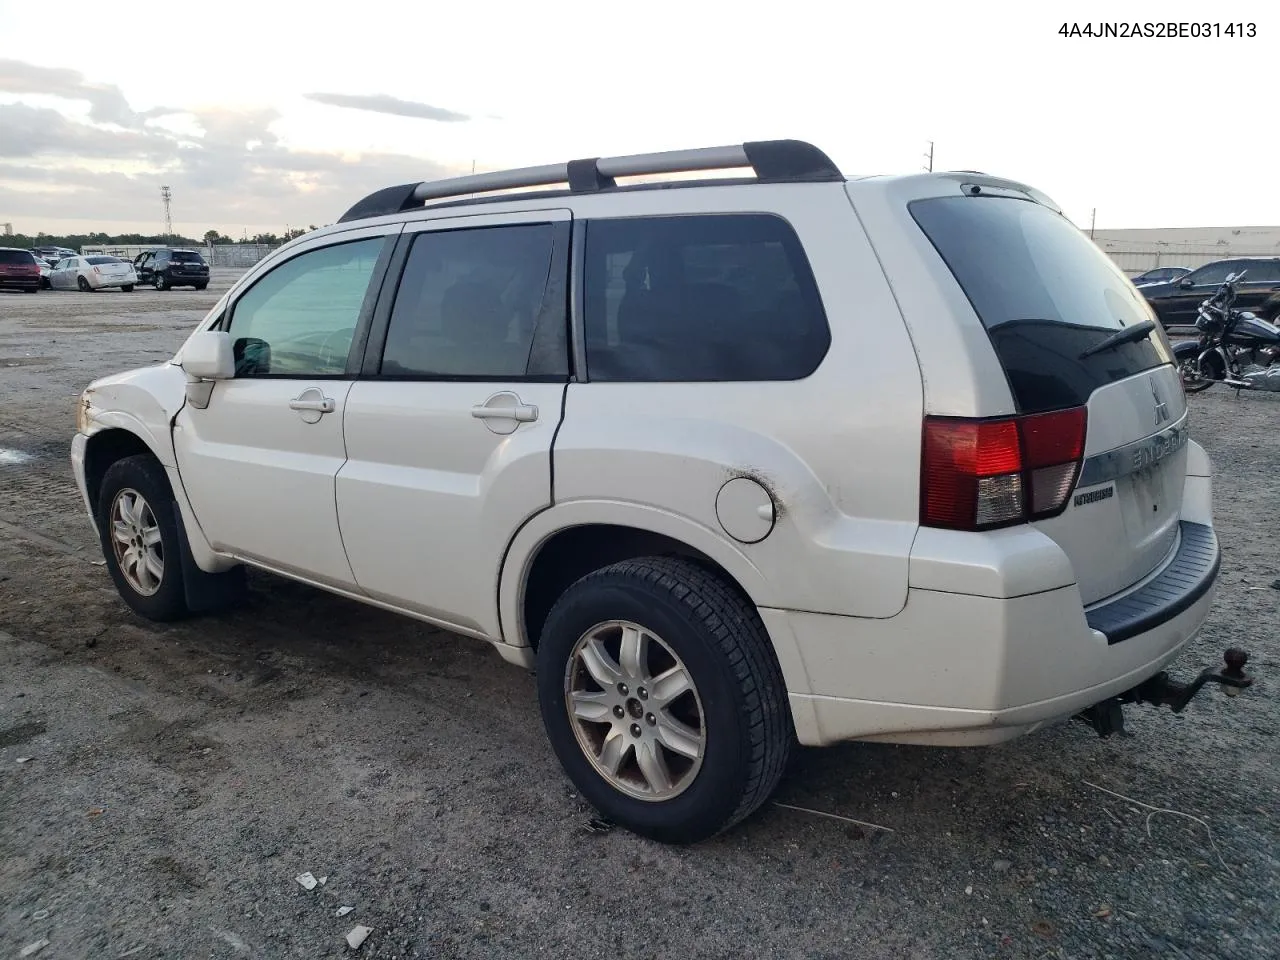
x=1261 y=271
x=469 y=303
x=700 y=298
x=16 y=256
x=1045 y=293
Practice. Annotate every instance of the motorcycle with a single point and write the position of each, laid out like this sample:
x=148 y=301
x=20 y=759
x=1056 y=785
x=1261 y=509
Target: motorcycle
x=1233 y=347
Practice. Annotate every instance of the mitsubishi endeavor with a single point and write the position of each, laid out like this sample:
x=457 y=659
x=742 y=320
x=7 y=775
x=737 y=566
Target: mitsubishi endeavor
x=734 y=463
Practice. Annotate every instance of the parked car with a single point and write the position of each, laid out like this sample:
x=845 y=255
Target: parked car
x=1160 y=275
x=996 y=524
x=163 y=269
x=19 y=270
x=1177 y=302
x=46 y=272
x=54 y=254
x=94 y=272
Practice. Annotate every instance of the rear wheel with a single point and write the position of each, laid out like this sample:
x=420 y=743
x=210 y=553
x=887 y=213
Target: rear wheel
x=201 y=286
x=127 y=287
x=662 y=698
x=83 y=284
x=32 y=290
x=139 y=538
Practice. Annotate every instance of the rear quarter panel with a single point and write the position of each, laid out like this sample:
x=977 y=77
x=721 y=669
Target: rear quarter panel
x=838 y=450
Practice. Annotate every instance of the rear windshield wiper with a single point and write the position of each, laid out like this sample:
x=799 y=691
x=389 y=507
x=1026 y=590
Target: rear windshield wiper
x=1139 y=331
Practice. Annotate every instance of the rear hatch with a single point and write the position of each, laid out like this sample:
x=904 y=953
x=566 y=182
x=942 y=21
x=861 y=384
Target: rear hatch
x=190 y=263
x=1048 y=298
x=18 y=263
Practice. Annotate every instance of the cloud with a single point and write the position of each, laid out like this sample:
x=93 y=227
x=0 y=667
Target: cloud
x=231 y=169
x=107 y=103
x=381 y=103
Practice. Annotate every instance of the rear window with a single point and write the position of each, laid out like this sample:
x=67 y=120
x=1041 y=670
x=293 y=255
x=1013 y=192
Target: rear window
x=1045 y=294
x=98 y=261
x=16 y=256
x=182 y=256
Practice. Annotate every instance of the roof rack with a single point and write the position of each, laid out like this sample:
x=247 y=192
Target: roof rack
x=774 y=161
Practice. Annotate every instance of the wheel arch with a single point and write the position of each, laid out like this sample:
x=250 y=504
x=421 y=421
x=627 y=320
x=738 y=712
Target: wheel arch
x=564 y=543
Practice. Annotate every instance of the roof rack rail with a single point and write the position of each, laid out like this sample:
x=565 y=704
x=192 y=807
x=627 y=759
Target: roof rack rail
x=774 y=161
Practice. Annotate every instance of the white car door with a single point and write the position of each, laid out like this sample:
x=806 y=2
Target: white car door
x=258 y=462
x=449 y=430
x=64 y=274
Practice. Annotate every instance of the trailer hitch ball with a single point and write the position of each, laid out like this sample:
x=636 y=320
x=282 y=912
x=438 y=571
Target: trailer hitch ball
x=1235 y=659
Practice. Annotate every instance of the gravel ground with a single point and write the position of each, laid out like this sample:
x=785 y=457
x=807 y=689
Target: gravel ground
x=180 y=777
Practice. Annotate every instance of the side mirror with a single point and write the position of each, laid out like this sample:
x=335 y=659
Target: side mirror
x=207 y=356
x=1186 y=283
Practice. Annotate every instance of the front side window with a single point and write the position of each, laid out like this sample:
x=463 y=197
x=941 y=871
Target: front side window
x=700 y=298
x=469 y=302
x=1214 y=272
x=298 y=320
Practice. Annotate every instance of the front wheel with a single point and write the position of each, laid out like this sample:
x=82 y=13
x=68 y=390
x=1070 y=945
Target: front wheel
x=663 y=699
x=139 y=536
x=160 y=282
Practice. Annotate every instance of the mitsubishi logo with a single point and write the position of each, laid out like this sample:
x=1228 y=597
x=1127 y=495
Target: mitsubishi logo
x=1162 y=408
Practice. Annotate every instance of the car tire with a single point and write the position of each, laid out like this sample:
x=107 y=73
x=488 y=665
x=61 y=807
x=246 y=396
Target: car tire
x=140 y=538
x=160 y=282
x=732 y=726
x=83 y=284
x=32 y=290
x=127 y=287
x=201 y=286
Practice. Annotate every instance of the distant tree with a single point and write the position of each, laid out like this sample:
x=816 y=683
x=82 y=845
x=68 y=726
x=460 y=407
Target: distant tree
x=213 y=236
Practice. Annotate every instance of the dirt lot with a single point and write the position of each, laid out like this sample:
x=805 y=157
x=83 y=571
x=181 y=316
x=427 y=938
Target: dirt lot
x=181 y=777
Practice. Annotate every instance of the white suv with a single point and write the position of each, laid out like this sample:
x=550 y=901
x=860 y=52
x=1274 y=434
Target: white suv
x=735 y=463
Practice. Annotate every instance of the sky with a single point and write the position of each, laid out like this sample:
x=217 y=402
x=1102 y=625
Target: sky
x=262 y=116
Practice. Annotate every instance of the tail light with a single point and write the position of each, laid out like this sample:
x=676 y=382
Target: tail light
x=980 y=474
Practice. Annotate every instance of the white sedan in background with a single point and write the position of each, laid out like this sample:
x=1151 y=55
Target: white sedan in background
x=95 y=272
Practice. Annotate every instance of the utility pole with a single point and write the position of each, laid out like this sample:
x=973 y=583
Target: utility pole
x=929 y=156
x=1093 y=218
x=166 y=195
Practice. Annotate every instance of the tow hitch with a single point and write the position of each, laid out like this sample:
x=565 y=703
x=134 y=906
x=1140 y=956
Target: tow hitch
x=1107 y=717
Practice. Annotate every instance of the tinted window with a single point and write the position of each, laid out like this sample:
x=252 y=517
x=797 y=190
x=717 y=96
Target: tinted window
x=16 y=256
x=98 y=261
x=700 y=298
x=1214 y=272
x=299 y=319
x=1261 y=271
x=182 y=256
x=1045 y=293
x=469 y=302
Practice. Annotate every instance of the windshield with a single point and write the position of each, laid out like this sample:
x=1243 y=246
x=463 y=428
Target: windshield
x=1045 y=294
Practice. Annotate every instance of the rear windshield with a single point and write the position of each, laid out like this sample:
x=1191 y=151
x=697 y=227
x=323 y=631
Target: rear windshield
x=16 y=256
x=182 y=256
x=1045 y=294
x=98 y=261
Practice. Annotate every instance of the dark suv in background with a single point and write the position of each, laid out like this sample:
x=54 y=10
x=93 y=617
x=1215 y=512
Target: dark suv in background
x=1177 y=302
x=163 y=269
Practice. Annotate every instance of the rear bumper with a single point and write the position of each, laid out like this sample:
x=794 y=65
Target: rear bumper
x=20 y=283
x=1014 y=652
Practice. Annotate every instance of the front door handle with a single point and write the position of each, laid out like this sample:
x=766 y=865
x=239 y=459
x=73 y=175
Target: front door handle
x=312 y=404
x=322 y=406
x=504 y=411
